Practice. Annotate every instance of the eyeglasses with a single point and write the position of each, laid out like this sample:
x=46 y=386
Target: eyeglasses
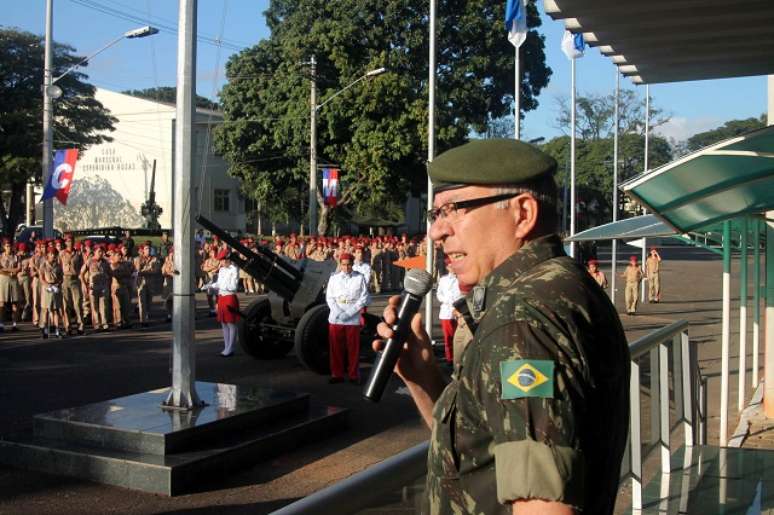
x=450 y=208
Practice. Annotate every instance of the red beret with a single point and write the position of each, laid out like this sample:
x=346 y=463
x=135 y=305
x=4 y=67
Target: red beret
x=87 y=243
x=22 y=246
x=346 y=255
x=77 y=245
x=593 y=262
x=112 y=246
x=223 y=254
x=633 y=259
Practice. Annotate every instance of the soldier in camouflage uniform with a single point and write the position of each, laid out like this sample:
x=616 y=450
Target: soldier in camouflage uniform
x=536 y=415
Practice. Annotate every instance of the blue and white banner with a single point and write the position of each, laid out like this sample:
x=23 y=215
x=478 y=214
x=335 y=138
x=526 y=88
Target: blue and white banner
x=516 y=22
x=573 y=45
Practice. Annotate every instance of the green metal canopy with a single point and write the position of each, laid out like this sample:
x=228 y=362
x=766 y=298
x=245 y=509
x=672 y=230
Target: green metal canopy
x=645 y=226
x=719 y=182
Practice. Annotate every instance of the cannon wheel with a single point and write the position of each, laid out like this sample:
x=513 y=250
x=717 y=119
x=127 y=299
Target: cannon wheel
x=254 y=338
x=312 y=340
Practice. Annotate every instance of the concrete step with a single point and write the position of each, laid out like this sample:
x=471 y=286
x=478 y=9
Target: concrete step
x=174 y=473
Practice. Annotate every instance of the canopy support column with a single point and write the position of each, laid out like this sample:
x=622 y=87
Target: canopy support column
x=725 y=333
x=743 y=316
x=756 y=300
x=768 y=399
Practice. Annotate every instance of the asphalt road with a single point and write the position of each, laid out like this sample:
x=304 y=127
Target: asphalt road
x=41 y=375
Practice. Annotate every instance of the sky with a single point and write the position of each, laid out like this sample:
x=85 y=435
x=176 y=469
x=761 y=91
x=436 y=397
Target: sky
x=87 y=25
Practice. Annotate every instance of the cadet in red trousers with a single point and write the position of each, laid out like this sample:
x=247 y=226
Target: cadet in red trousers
x=346 y=295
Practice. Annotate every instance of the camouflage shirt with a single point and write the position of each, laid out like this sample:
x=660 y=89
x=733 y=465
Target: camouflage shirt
x=489 y=448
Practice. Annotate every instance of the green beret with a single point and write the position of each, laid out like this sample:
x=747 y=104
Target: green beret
x=486 y=162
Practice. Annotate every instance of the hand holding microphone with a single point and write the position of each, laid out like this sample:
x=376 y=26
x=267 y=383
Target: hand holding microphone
x=416 y=285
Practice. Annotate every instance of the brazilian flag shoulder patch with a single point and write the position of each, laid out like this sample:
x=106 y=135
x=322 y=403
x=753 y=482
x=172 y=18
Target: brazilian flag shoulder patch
x=527 y=378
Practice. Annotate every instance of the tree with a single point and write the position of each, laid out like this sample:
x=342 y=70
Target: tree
x=595 y=115
x=594 y=169
x=79 y=119
x=168 y=94
x=728 y=130
x=375 y=131
x=595 y=125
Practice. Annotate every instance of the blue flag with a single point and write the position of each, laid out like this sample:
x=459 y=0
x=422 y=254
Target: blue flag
x=573 y=44
x=516 y=22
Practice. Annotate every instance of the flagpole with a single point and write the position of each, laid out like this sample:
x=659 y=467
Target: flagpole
x=183 y=393
x=572 y=155
x=430 y=154
x=614 y=257
x=517 y=96
x=48 y=119
x=644 y=211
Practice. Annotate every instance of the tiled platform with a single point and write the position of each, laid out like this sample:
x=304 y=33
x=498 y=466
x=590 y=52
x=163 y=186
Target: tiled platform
x=709 y=480
x=134 y=443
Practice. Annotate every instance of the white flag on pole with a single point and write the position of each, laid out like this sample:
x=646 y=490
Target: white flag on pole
x=516 y=22
x=573 y=45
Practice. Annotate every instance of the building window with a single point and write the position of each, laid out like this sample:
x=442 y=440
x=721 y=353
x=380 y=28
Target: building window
x=222 y=200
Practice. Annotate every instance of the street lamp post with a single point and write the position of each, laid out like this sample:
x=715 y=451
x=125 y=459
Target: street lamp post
x=51 y=92
x=313 y=135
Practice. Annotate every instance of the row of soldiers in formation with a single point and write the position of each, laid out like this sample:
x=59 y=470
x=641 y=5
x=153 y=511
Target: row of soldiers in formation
x=71 y=284
x=379 y=252
x=68 y=283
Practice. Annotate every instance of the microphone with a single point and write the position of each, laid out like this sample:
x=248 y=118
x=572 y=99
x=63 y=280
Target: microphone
x=416 y=284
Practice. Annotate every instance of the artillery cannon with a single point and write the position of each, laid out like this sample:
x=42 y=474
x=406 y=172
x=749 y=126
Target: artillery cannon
x=294 y=315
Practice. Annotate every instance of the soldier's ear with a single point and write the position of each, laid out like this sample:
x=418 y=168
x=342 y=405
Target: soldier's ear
x=525 y=210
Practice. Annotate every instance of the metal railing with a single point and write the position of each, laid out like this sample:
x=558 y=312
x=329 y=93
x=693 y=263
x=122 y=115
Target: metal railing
x=365 y=488
x=689 y=393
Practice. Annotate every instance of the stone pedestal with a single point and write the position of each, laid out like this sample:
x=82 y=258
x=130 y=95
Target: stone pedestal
x=132 y=442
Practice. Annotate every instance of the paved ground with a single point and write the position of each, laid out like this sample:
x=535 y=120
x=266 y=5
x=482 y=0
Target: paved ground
x=41 y=375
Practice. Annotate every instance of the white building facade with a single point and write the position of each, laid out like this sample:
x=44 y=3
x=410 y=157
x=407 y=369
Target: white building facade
x=113 y=180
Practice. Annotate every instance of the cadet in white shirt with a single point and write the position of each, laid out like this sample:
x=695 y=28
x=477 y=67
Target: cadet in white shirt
x=361 y=266
x=228 y=304
x=447 y=292
x=346 y=295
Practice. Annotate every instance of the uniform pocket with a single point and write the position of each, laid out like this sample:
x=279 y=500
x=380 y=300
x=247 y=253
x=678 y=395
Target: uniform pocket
x=443 y=457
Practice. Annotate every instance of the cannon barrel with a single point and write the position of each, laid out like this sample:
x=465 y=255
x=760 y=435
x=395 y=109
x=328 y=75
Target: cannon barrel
x=265 y=266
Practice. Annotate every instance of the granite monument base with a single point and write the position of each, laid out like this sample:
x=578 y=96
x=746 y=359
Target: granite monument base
x=134 y=443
